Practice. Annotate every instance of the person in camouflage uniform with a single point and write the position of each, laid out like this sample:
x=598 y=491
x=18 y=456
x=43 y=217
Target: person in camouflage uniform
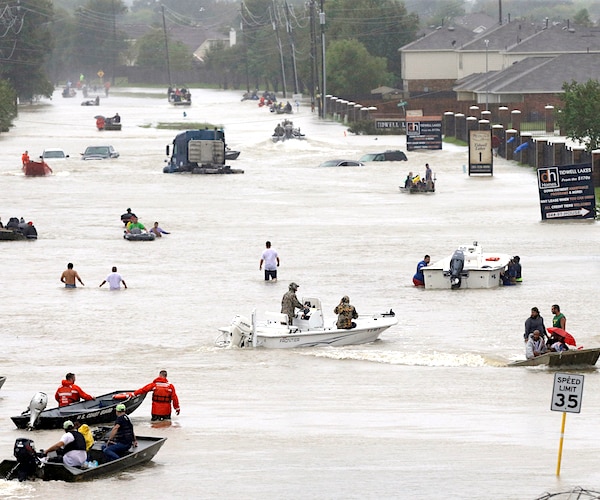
x=346 y=313
x=290 y=302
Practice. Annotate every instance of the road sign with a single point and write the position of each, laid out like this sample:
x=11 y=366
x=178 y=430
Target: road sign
x=567 y=393
x=401 y=104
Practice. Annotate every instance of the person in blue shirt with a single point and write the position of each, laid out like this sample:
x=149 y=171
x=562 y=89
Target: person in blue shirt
x=419 y=278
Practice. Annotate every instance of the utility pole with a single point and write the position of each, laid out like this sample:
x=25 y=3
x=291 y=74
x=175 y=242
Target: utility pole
x=245 y=40
x=166 y=46
x=275 y=21
x=324 y=64
x=313 y=53
x=288 y=25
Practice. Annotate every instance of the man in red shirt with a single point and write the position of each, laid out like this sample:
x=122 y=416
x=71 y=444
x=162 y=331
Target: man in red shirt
x=163 y=394
x=69 y=393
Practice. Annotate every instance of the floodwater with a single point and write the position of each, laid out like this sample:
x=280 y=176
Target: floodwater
x=429 y=411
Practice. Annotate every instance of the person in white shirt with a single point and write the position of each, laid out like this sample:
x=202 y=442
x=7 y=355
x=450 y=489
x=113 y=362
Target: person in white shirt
x=72 y=444
x=271 y=261
x=114 y=280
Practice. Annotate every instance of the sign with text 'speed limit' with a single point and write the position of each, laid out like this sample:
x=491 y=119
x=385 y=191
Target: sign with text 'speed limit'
x=567 y=393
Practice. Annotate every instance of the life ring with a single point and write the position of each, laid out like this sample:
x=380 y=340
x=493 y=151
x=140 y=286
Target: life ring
x=123 y=395
x=493 y=258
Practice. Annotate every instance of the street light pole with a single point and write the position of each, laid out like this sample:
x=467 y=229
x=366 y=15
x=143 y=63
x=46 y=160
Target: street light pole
x=487 y=42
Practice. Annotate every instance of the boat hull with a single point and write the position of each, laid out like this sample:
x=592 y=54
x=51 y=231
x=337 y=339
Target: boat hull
x=573 y=357
x=2 y=380
x=334 y=338
x=475 y=278
x=36 y=169
x=98 y=411
x=10 y=235
x=147 y=448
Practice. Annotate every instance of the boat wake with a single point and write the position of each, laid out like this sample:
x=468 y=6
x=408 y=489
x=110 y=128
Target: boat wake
x=412 y=358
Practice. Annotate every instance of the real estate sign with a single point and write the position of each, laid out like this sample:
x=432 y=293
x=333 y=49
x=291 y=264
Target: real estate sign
x=480 y=152
x=566 y=192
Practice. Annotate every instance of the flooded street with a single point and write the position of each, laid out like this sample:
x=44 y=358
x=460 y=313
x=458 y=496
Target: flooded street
x=429 y=411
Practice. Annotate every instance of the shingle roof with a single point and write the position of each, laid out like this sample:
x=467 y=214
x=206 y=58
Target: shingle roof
x=535 y=75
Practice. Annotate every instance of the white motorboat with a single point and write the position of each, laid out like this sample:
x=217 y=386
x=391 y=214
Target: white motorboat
x=467 y=267
x=308 y=329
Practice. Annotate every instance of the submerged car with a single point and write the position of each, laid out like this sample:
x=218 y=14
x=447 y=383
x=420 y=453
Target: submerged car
x=53 y=154
x=99 y=153
x=342 y=163
x=389 y=155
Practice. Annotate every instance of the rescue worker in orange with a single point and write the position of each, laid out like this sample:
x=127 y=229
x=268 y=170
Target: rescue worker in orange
x=162 y=396
x=25 y=158
x=69 y=393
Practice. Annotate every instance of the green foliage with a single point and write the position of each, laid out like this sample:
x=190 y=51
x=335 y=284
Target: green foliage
x=382 y=26
x=99 y=43
x=25 y=44
x=352 y=70
x=582 y=18
x=151 y=52
x=579 y=115
x=8 y=105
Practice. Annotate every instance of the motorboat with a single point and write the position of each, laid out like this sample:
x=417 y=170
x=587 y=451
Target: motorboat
x=231 y=154
x=2 y=380
x=572 y=357
x=286 y=130
x=100 y=410
x=17 y=230
x=147 y=447
x=36 y=168
x=308 y=329
x=179 y=97
x=467 y=267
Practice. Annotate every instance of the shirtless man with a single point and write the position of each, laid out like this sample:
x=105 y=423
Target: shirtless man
x=69 y=276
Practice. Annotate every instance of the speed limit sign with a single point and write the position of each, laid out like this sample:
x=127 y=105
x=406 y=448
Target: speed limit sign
x=567 y=393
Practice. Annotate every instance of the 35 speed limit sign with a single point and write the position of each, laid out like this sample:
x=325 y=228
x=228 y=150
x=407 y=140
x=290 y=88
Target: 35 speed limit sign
x=567 y=393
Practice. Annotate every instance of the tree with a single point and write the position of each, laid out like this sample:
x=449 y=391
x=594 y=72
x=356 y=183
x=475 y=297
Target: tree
x=382 y=26
x=99 y=42
x=151 y=52
x=25 y=44
x=582 y=18
x=352 y=70
x=579 y=116
x=8 y=107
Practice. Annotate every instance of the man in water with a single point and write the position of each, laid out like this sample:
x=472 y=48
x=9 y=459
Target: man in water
x=419 y=277
x=271 y=260
x=114 y=280
x=163 y=394
x=69 y=276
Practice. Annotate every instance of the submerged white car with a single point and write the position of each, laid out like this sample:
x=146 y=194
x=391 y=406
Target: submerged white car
x=54 y=154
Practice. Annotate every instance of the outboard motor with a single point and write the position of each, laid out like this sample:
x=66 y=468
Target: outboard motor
x=457 y=262
x=241 y=331
x=36 y=406
x=28 y=461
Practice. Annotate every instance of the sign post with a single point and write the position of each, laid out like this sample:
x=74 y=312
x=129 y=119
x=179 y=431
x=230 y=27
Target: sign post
x=566 y=397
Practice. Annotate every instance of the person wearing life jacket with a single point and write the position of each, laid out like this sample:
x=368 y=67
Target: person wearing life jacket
x=69 y=393
x=163 y=394
x=71 y=447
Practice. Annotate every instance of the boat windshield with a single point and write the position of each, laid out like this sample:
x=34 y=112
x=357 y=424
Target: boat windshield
x=54 y=154
x=97 y=150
